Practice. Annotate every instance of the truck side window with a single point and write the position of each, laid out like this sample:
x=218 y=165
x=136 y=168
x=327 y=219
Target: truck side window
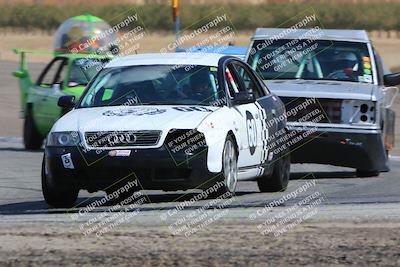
x=379 y=67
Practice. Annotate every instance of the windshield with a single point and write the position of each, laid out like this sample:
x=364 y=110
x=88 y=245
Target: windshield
x=314 y=60
x=154 y=85
x=83 y=70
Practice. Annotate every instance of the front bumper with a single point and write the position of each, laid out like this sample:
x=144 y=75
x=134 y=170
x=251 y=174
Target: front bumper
x=155 y=169
x=360 y=149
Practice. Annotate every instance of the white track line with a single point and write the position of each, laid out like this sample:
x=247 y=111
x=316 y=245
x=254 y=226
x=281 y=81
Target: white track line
x=10 y=139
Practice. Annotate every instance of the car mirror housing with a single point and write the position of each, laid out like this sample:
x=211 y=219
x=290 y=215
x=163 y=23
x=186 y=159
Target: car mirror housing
x=20 y=74
x=73 y=84
x=392 y=79
x=243 y=98
x=67 y=102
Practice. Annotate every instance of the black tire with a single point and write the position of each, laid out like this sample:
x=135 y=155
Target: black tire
x=56 y=195
x=32 y=138
x=279 y=179
x=363 y=173
x=225 y=188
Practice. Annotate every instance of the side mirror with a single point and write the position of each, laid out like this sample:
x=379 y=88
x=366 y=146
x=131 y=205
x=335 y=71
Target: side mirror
x=243 y=98
x=392 y=79
x=390 y=95
x=67 y=102
x=20 y=74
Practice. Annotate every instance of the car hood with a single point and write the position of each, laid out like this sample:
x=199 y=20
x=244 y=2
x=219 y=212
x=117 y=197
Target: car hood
x=125 y=118
x=322 y=89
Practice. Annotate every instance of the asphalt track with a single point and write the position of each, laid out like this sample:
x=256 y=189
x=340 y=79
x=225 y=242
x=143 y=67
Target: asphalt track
x=356 y=222
x=20 y=187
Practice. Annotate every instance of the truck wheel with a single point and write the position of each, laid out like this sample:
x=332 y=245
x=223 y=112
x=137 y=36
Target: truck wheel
x=279 y=179
x=56 y=195
x=363 y=173
x=32 y=138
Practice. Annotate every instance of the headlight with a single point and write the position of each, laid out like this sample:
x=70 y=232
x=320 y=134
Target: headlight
x=63 y=139
x=367 y=112
x=359 y=111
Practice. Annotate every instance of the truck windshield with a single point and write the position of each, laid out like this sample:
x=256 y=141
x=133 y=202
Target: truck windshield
x=153 y=85
x=311 y=59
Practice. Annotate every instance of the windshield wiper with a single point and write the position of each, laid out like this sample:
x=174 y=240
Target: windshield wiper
x=147 y=104
x=312 y=79
x=174 y=104
x=323 y=79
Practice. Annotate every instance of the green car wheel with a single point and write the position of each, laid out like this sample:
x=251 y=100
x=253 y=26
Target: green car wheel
x=32 y=138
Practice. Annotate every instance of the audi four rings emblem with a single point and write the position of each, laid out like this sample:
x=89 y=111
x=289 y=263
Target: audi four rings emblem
x=121 y=138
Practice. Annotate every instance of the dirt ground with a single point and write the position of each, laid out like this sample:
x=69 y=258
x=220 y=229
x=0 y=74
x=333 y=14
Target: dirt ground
x=317 y=244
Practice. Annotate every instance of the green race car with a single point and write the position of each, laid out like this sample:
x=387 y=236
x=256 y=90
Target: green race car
x=66 y=74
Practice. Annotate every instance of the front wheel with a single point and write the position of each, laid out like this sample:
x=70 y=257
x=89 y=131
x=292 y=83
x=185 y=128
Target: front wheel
x=56 y=195
x=229 y=170
x=32 y=138
x=279 y=179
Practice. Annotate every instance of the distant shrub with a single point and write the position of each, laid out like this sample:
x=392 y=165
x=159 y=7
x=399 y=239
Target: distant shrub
x=369 y=16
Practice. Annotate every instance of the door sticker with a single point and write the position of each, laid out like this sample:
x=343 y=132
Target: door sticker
x=251 y=132
x=67 y=161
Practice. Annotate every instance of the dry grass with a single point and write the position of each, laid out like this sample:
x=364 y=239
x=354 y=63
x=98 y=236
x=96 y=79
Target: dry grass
x=190 y=2
x=389 y=48
x=151 y=43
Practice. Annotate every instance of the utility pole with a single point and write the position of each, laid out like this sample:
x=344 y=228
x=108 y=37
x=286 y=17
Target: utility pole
x=175 y=15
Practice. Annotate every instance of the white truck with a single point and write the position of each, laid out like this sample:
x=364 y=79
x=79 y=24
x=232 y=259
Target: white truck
x=338 y=80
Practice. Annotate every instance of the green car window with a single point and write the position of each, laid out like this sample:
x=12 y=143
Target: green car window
x=52 y=73
x=83 y=70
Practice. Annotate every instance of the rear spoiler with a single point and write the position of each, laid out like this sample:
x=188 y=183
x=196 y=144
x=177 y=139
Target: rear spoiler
x=23 y=66
x=23 y=75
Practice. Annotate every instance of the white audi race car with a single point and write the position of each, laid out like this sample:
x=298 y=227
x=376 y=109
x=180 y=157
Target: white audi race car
x=170 y=122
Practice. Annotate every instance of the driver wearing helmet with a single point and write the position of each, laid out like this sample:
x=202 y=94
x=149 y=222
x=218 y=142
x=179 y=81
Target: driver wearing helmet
x=200 y=86
x=346 y=66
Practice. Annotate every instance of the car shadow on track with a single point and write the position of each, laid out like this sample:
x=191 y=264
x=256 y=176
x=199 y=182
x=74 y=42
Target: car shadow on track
x=40 y=207
x=19 y=149
x=30 y=207
x=322 y=175
x=168 y=200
